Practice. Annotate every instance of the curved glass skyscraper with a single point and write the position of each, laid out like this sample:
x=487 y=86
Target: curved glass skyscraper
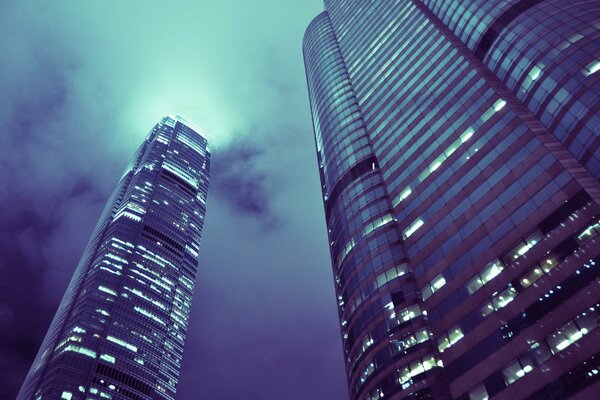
x=458 y=145
x=120 y=329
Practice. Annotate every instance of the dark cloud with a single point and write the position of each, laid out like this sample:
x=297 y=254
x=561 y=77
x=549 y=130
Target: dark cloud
x=44 y=183
x=24 y=313
x=238 y=180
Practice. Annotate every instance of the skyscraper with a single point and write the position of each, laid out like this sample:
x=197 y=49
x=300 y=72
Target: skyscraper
x=120 y=328
x=458 y=145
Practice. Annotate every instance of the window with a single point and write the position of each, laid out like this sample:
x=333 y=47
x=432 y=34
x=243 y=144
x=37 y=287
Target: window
x=390 y=274
x=490 y=272
x=367 y=372
x=108 y=358
x=515 y=371
x=523 y=247
x=436 y=284
x=449 y=338
x=499 y=300
x=413 y=228
x=478 y=393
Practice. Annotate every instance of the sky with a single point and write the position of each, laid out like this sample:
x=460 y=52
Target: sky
x=82 y=83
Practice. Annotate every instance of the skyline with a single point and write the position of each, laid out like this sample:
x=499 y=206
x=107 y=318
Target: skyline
x=481 y=203
x=72 y=68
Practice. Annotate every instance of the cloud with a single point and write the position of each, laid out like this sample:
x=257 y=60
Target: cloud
x=83 y=84
x=20 y=297
x=239 y=180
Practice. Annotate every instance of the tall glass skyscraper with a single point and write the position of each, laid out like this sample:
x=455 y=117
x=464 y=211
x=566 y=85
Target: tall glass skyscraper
x=458 y=145
x=120 y=329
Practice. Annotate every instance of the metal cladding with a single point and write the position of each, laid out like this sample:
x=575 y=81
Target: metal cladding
x=458 y=145
x=121 y=326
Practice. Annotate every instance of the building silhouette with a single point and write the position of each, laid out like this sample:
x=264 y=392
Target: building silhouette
x=120 y=328
x=458 y=145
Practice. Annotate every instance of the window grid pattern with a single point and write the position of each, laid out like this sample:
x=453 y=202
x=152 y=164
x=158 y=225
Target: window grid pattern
x=488 y=207
x=120 y=329
x=363 y=233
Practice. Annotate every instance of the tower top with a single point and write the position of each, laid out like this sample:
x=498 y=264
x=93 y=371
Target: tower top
x=172 y=118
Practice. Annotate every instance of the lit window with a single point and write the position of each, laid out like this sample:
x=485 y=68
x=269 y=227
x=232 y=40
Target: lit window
x=592 y=68
x=489 y=272
x=443 y=344
x=516 y=370
x=499 y=105
x=499 y=300
x=402 y=196
x=367 y=342
x=564 y=337
x=108 y=357
x=404 y=377
x=452 y=336
x=549 y=263
x=478 y=393
x=467 y=135
x=409 y=313
x=413 y=228
x=436 y=284
x=390 y=274
x=422 y=335
x=376 y=394
x=589 y=232
x=349 y=246
x=523 y=247
x=505 y=297
x=417 y=367
x=367 y=372
x=532 y=276
x=437 y=163
x=377 y=223
x=107 y=290
x=81 y=350
x=149 y=315
x=474 y=284
x=121 y=342
x=535 y=72
x=410 y=340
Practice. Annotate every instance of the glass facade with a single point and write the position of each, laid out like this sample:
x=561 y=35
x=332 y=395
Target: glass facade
x=457 y=144
x=121 y=326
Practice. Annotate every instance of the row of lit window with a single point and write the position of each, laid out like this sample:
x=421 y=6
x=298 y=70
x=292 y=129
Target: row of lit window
x=400 y=17
x=381 y=279
x=452 y=78
x=399 y=346
x=498 y=105
x=527 y=317
x=542 y=351
x=503 y=298
x=530 y=179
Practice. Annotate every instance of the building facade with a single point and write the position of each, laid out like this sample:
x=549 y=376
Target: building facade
x=458 y=145
x=121 y=326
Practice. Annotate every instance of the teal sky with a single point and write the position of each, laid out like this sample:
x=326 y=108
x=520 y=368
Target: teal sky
x=82 y=84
